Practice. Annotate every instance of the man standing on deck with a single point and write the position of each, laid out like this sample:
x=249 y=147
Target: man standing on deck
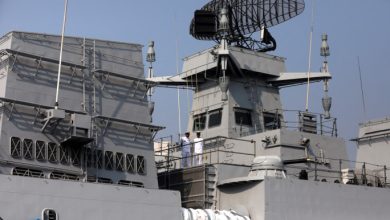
x=198 y=149
x=185 y=145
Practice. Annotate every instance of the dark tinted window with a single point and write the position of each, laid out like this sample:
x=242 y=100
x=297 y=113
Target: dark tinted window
x=271 y=121
x=215 y=118
x=199 y=122
x=243 y=116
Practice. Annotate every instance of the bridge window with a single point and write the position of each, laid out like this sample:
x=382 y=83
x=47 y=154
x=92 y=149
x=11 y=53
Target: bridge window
x=243 y=116
x=16 y=148
x=271 y=120
x=215 y=117
x=199 y=122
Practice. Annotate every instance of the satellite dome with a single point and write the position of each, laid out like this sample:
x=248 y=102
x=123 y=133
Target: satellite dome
x=267 y=163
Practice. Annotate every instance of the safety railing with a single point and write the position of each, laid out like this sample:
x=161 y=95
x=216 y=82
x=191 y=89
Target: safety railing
x=216 y=150
x=320 y=169
x=304 y=121
x=223 y=150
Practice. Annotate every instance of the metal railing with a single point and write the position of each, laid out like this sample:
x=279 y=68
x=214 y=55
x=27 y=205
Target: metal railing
x=221 y=150
x=308 y=122
x=216 y=150
x=320 y=169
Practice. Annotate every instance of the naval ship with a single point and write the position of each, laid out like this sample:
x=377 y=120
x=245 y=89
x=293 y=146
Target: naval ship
x=77 y=139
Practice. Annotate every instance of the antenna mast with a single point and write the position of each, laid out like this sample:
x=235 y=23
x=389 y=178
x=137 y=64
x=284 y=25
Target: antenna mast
x=361 y=88
x=61 y=47
x=309 y=63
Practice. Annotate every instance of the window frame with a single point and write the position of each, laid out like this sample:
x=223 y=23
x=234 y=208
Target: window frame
x=219 y=120
x=271 y=125
x=243 y=111
x=202 y=122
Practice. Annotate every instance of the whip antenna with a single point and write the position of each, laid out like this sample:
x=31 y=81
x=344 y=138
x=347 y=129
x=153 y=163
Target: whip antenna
x=362 y=89
x=61 y=47
x=309 y=63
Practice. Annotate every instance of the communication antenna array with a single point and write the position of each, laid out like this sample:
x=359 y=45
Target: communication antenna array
x=245 y=18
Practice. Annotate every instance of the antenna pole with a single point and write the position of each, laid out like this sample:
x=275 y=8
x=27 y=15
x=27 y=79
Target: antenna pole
x=61 y=47
x=177 y=73
x=309 y=65
x=361 y=88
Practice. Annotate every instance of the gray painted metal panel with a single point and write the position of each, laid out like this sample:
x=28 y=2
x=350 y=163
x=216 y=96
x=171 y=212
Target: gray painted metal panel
x=28 y=90
x=306 y=200
x=25 y=198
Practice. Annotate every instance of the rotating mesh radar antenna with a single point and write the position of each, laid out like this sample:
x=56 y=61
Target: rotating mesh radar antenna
x=246 y=17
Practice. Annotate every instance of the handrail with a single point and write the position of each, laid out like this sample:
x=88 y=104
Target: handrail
x=368 y=174
x=42 y=58
x=37 y=105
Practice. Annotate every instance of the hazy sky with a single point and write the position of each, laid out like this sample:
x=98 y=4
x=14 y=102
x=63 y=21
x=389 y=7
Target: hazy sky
x=355 y=28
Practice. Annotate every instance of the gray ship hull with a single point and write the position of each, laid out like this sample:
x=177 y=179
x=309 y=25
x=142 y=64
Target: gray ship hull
x=271 y=199
x=26 y=198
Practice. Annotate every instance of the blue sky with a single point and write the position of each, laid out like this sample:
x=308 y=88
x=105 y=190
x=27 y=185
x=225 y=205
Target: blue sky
x=355 y=28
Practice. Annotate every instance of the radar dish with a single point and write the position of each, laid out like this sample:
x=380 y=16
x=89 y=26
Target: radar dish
x=249 y=16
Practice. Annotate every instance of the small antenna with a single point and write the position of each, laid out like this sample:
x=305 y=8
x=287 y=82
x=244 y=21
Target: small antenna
x=362 y=89
x=59 y=64
x=309 y=63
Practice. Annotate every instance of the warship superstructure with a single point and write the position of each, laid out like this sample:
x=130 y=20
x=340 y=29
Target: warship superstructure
x=100 y=132
x=89 y=154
